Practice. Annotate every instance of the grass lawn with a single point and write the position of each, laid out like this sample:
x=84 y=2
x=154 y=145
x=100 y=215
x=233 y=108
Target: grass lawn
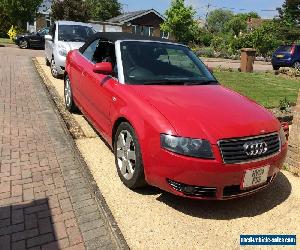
x=265 y=88
x=5 y=41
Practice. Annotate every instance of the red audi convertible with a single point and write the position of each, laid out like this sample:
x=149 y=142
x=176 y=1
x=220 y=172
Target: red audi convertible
x=170 y=123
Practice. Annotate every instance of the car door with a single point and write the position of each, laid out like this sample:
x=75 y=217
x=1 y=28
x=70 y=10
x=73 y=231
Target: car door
x=95 y=88
x=35 y=39
x=77 y=62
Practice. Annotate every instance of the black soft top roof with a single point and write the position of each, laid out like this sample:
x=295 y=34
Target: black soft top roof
x=115 y=36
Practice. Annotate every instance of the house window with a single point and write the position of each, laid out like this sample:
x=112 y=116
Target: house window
x=151 y=30
x=146 y=31
x=164 y=34
x=142 y=30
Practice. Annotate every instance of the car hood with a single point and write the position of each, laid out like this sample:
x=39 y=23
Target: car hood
x=70 y=45
x=209 y=112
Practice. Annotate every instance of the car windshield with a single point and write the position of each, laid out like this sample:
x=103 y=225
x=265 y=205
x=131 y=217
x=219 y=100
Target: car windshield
x=162 y=64
x=74 y=33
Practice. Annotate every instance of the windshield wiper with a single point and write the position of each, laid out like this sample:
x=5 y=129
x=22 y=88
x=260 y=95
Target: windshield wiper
x=206 y=82
x=164 y=82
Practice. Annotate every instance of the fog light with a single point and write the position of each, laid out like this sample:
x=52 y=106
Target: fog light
x=188 y=189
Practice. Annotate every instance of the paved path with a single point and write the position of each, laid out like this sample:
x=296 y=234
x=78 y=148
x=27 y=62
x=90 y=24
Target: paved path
x=46 y=200
x=235 y=64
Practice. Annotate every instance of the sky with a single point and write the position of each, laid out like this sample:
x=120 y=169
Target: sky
x=265 y=8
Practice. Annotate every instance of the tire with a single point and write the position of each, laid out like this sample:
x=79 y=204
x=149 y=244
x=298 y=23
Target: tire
x=129 y=166
x=68 y=95
x=23 y=44
x=47 y=62
x=54 y=71
x=296 y=65
x=276 y=67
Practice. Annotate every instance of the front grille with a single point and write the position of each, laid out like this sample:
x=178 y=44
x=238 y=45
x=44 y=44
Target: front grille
x=195 y=191
x=236 y=189
x=233 y=150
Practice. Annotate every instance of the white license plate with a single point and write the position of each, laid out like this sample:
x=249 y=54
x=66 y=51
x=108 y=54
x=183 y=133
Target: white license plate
x=255 y=177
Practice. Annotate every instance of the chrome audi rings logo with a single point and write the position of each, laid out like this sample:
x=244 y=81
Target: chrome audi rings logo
x=255 y=148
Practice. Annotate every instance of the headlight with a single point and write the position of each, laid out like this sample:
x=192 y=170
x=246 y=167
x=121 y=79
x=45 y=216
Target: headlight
x=62 y=52
x=187 y=146
x=282 y=136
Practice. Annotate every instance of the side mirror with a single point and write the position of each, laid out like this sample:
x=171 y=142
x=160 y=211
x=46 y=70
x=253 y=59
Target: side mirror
x=104 y=68
x=48 y=37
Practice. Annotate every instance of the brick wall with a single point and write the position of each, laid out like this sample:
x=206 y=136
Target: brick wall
x=40 y=22
x=126 y=28
x=293 y=159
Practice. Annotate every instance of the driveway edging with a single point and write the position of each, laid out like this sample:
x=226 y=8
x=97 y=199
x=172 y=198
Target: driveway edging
x=101 y=203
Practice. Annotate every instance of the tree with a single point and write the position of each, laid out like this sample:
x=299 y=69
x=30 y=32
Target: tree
x=5 y=23
x=103 y=10
x=289 y=21
x=72 y=10
x=236 y=25
x=180 y=21
x=264 y=39
x=217 y=19
x=290 y=11
x=248 y=16
x=19 y=11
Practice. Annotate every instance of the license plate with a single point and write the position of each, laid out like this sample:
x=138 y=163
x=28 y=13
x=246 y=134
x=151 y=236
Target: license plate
x=280 y=56
x=255 y=177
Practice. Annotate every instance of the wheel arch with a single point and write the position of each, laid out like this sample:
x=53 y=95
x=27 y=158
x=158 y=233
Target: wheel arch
x=115 y=127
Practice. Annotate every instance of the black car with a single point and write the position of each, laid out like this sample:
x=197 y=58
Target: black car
x=32 y=40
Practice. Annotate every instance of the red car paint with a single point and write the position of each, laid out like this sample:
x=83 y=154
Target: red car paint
x=214 y=113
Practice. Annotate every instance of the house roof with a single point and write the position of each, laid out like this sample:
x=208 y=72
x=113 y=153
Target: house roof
x=256 y=22
x=128 y=16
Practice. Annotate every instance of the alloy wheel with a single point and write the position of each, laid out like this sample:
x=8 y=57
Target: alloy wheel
x=68 y=92
x=126 y=155
x=23 y=44
x=54 y=71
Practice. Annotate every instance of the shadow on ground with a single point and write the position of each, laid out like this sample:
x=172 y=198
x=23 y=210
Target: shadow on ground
x=27 y=226
x=248 y=206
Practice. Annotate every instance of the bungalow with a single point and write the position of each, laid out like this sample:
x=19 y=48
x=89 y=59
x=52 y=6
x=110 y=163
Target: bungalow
x=143 y=22
x=42 y=17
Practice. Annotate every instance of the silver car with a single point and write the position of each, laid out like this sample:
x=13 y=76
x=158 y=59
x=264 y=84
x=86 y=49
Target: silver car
x=63 y=37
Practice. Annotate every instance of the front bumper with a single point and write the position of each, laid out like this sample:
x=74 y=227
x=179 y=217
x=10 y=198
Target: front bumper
x=208 y=179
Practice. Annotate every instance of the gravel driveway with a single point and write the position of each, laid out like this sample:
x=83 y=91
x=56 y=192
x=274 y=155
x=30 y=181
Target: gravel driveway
x=152 y=219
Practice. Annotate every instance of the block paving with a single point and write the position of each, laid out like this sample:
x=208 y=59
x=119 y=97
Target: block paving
x=46 y=201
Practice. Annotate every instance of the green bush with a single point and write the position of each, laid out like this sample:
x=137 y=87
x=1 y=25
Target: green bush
x=284 y=104
x=204 y=51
